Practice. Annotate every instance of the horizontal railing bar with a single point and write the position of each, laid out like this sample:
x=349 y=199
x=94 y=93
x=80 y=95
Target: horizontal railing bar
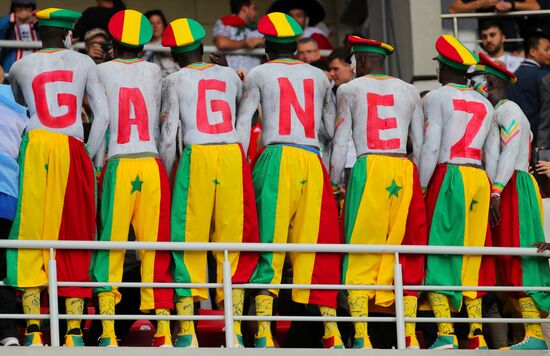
x=271 y=247
x=139 y=285
x=496 y=14
x=477 y=320
x=477 y=288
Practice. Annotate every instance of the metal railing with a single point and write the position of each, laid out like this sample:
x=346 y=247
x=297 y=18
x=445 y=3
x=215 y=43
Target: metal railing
x=227 y=284
x=480 y=15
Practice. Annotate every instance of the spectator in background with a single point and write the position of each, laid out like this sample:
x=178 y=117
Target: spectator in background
x=526 y=93
x=238 y=31
x=97 y=17
x=339 y=69
x=512 y=27
x=310 y=15
x=308 y=51
x=18 y=25
x=98 y=45
x=544 y=118
x=492 y=42
x=163 y=59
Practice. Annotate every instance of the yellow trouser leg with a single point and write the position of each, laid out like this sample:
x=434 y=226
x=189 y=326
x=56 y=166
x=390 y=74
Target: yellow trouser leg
x=163 y=326
x=238 y=302
x=185 y=306
x=529 y=310
x=410 y=306
x=264 y=307
x=473 y=306
x=107 y=307
x=74 y=306
x=31 y=304
x=441 y=309
x=359 y=307
x=331 y=328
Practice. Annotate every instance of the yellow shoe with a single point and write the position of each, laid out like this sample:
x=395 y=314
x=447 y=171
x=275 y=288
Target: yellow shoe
x=74 y=338
x=362 y=343
x=477 y=343
x=238 y=341
x=162 y=341
x=33 y=336
x=333 y=342
x=108 y=342
x=411 y=343
x=264 y=342
x=187 y=340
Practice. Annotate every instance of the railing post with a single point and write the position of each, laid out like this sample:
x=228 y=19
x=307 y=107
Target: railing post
x=455 y=26
x=399 y=308
x=54 y=307
x=228 y=301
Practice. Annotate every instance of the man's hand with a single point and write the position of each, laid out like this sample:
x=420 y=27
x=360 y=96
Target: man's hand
x=1 y=75
x=95 y=51
x=254 y=42
x=483 y=4
x=503 y=6
x=494 y=210
x=543 y=168
x=542 y=246
x=219 y=59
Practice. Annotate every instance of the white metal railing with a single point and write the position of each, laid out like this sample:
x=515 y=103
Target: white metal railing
x=479 y=15
x=227 y=284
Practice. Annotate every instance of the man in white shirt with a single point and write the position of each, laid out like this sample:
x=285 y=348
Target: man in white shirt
x=492 y=42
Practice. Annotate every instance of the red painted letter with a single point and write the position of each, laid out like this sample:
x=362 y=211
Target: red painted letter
x=203 y=125
x=63 y=99
x=375 y=124
x=132 y=97
x=462 y=148
x=288 y=99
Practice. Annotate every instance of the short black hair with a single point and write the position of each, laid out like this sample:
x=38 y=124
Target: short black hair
x=124 y=48
x=236 y=5
x=280 y=48
x=532 y=40
x=487 y=24
x=321 y=64
x=341 y=53
x=158 y=13
x=306 y=40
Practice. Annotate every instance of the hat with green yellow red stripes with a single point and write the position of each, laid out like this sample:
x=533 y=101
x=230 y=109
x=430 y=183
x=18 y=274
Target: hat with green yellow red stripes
x=183 y=35
x=360 y=44
x=54 y=17
x=130 y=28
x=279 y=27
x=487 y=66
x=454 y=54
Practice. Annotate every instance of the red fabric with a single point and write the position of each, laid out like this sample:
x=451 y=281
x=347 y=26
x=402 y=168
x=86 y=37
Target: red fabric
x=232 y=20
x=322 y=41
x=267 y=27
x=447 y=50
x=247 y=260
x=163 y=297
x=433 y=192
x=485 y=60
x=78 y=221
x=253 y=147
x=169 y=38
x=356 y=40
x=415 y=234
x=327 y=266
x=487 y=272
x=506 y=234
x=116 y=25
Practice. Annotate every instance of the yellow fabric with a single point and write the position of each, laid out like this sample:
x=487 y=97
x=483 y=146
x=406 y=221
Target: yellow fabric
x=264 y=307
x=529 y=310
x=539 y=198
x=182 y=32
x=185 y=306
x=131 y=26
x=441 y=309
x=107 y=307
x=304 y=202
x=410 y=307
x=74 y=306
x=163 y=326
x=281 y=24
x=465 y=54
x=215 y=199
x=359 y=307
x=238 y=304
x=473 y=306
x=31 y=304
x=477 y=201
x=331 y=328
x=386 y=196
x=142 y=214
x=51 y=150
x=45 y=14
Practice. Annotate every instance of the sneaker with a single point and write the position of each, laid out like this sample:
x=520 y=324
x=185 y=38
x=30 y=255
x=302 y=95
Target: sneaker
x=333 y=342
x=529 y=343
x=362 y=343
x=238 y=341
x=10 y=341
x=445 y=342
x=477 y=343
x=265 y=342
x=187 y=340
x=411 y=343
x=162 y=341
x=74 y=338
x=108 y=342
x=33 y=336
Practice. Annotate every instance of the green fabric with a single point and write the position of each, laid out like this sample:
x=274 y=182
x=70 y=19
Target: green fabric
x=536 y=271
x=453 y=64
x=61 y=18
x=178 y=221
x=296 y=28
x=372 y=49
x=266 y=186
x=145 y=31
x=188 y=48
x=354 y=194
x=12 y=255
x=497 y=73
x=281 y=39
x=197 y=30
x=447 y=229
x=56 y=23
x=99 y=267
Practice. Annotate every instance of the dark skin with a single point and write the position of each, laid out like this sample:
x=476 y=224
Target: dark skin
x=449 y=75
x=125 y=52
x=274 y=50
x=496 y=90
x=52 y=37
x=369 y=63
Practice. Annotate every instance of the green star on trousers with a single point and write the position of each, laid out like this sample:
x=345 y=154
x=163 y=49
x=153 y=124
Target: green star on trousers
x=393 y=189
x=136 y=185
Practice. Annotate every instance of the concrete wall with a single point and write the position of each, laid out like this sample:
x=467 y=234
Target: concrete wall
x=204 y=11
